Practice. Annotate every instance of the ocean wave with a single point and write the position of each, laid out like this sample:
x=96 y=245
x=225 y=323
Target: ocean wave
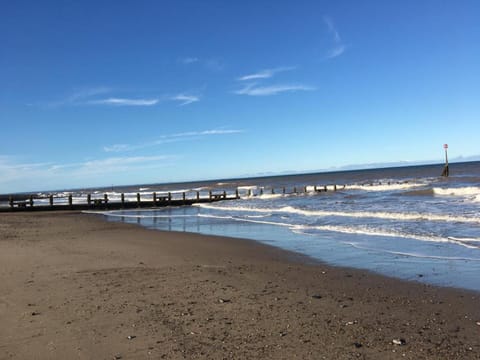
x=420 y=192
x=355 y=230
x=136 y=216
x=412 y=254
x=469 y=192
x=385 y=186
x=353 y=214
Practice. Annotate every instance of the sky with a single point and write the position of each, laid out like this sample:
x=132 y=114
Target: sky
x=100 y=93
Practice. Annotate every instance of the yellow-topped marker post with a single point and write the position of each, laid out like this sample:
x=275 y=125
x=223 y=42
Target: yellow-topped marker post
x=445 y=171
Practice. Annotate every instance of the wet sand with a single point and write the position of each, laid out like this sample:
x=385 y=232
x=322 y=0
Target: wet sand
x=74 y=286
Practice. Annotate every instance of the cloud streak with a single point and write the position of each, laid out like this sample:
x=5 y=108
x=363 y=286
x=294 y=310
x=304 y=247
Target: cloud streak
x=126 y=102
x=189 y=60
x=18 y=176
x=185 y=99
x=338 y=46
x=254 y=90
x=265 y=74
x=92 y=96
x=164 y=139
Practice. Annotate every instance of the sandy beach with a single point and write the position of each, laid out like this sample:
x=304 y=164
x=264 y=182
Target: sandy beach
x=74 y=286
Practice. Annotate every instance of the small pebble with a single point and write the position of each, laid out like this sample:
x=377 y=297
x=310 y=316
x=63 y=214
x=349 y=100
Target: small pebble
x=316 y=296
x=399 y=341
x=221 y=301
x=130 y=337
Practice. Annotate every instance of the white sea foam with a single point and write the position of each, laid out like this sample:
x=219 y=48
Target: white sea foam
x=270 y=196
x=245 y=220
x=384 y=186
x=355 y=214
x=412 y=254
x=136 y=216
x=356 y=230
x=471 y=193
x=303 y=229
x=247 y=187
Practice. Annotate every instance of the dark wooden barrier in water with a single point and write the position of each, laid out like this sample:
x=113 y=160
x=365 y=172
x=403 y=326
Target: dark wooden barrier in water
x=27 y=203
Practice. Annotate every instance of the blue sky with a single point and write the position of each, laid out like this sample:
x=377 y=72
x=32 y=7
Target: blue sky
x=120 y=92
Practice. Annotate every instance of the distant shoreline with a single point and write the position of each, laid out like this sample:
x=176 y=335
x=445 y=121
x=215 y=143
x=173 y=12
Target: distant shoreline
x=287 y=174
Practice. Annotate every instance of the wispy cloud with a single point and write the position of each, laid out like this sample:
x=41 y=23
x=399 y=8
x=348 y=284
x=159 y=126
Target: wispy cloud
x=79 y=96
x=336 y=51
x=211 y=64
x=126 y=102
x=265 y=74
x=338 y=46
x=254 y=90
x=185 y=99
x=93 y=96
x=18 y=176
x=184 y=136
x=189 y=60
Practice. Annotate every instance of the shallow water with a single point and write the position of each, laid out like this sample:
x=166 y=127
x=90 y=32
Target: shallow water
x=405 y=222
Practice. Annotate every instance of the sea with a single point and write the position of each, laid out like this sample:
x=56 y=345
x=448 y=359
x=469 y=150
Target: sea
x=404 y=222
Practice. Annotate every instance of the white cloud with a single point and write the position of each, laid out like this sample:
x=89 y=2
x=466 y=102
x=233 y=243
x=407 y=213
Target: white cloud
x=189 y=60
x=117 y=148
x=87 y=93
x=254 y=90
x=18 y=176
x=265 y=74
x=336 y=51
x=185 y=99
x=185 y=136
x=338 y=46
x=126 y=102
x=78 y=96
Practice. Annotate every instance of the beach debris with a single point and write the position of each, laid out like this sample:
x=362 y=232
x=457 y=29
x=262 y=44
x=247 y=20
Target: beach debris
x=117 y=357
x=35 y=313
x=478 y=323
x=221 y=301
x=399 y=341
x=282 y=333
x=350 y=323
x=357 y=345
x=131 y=337
x=316 y=296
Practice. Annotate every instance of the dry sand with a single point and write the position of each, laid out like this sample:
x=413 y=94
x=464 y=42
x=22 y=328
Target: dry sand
x=76 y=287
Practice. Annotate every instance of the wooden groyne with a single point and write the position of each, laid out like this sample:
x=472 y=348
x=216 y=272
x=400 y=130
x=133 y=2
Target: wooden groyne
x=104 y=203
x=98 y=202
